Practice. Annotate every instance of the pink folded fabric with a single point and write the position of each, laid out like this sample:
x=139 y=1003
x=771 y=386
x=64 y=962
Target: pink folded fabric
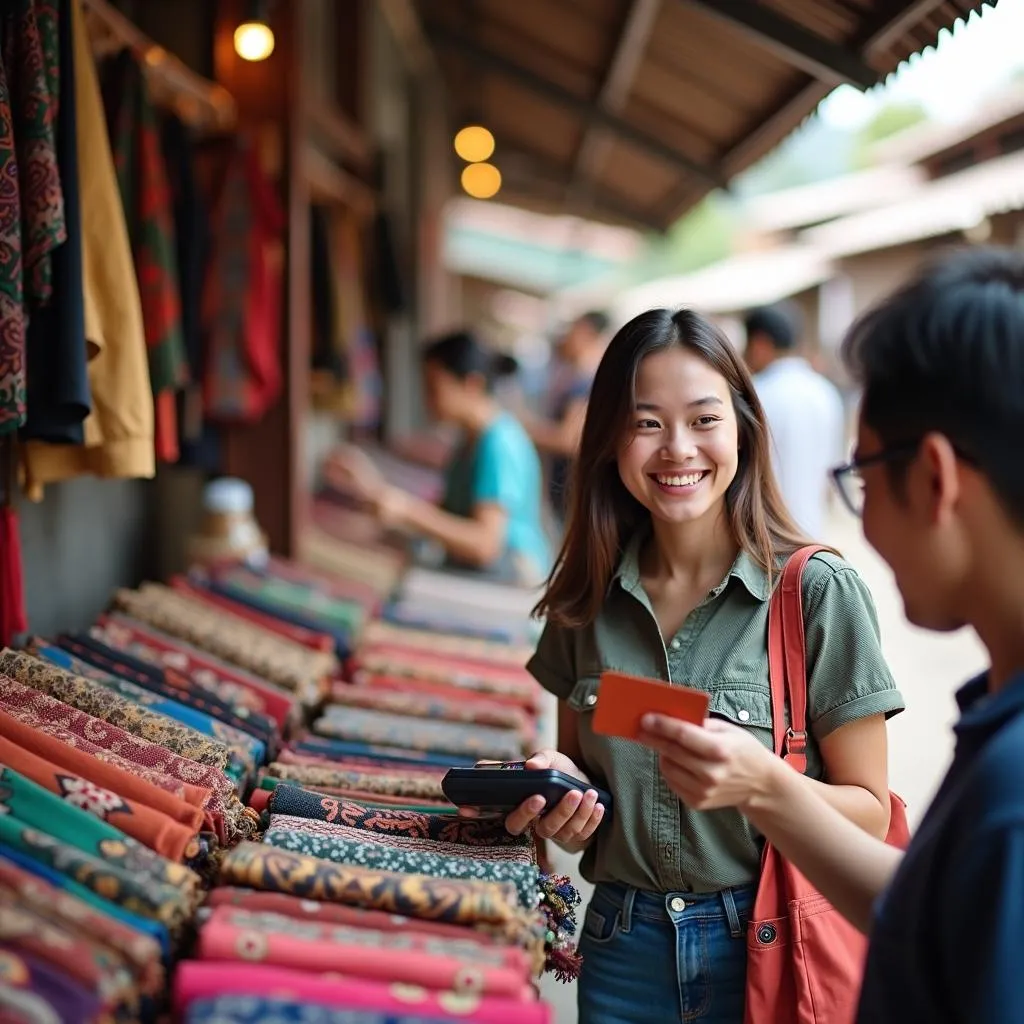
x=198 y=980
x=428 y=961
x=357 y=917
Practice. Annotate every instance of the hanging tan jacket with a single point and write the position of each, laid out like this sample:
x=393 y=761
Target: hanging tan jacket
x=119 y=430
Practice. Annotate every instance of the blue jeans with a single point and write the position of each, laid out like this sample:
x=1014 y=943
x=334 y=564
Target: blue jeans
x=651 y=958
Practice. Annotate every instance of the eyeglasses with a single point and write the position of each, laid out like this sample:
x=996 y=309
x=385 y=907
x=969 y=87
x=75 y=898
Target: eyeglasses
x=850 y=483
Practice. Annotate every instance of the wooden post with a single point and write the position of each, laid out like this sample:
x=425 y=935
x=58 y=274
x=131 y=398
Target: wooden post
x=272 y=104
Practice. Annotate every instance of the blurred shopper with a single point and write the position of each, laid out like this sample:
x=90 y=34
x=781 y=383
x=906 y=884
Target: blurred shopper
x=558 y=436
x=676 y=535
x=490 y=517
x=804 y=410
x=938 y=478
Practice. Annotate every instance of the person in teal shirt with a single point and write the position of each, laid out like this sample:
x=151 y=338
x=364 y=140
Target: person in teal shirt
x=490 y=517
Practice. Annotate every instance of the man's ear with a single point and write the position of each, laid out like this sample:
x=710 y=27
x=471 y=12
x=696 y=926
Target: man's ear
x=939 y=480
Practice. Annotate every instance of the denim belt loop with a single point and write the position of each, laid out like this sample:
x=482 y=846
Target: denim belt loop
x=732 y=914
x=626 y=920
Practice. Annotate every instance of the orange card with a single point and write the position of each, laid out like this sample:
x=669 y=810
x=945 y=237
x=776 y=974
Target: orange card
x=624 y=700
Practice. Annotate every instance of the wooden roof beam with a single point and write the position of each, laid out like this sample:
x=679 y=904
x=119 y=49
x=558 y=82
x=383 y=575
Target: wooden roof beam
x=523 y=169
x=629 y=52
x=803 y=49
x=443 y=36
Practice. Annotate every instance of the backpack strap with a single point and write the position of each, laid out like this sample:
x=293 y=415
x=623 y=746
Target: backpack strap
x=787 y=660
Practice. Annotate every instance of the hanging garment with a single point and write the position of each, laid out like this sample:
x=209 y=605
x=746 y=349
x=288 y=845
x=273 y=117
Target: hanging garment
x=119 y=430
x=142 y=178
x=12 y=310
x=59 y=397
x=243 y=298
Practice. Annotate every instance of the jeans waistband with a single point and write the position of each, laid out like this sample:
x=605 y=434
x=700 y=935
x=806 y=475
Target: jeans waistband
x=729 y=904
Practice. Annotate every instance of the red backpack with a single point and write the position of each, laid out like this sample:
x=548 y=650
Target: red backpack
x=805 y=960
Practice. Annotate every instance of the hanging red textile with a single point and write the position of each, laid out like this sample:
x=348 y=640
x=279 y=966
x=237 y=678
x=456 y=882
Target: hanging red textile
x=13 y=619
x=242 y=300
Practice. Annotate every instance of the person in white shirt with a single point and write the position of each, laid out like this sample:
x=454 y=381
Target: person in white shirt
x=804 y=412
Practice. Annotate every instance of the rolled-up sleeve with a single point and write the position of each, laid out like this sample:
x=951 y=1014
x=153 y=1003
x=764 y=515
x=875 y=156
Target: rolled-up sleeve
x=847 y=676
x=553 y=664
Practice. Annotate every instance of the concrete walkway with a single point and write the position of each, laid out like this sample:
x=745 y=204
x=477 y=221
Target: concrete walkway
x=928 y=670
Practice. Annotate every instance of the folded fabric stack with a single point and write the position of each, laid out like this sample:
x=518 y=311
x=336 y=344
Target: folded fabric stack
x=368 y=891
x=226 y=793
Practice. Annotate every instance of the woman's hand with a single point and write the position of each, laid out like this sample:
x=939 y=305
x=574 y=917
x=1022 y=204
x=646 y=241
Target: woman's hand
x=349 y=469
x=572 y=822
x=710 y=766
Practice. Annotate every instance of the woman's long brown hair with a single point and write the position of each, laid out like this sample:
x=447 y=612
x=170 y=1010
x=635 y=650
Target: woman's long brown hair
x=603 y=515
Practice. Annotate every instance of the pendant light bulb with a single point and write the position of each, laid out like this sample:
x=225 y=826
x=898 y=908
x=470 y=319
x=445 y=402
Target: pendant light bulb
x=254 y=40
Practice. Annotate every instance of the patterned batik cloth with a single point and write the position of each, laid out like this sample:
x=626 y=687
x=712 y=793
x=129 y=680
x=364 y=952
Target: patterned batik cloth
x=341 y=750
x=150 y=827
x=196 y=980
x=32 y=990
x=231 y=934
x=472 y=710
x=255 y=1010
x=98 y=970
x=35 y=807
x=140 y=952
x=260 y=866
x=362 y=725
x=386 y=634
x=131 y=889
x=365 y=782
x=466 y=675
x=200 y=588
x=315 y=757
x=180 y=802
x=342 y=845
x=229 y=682
x=97 y=700
x=144 y=926
x=295 y=668
x=407 y=826
x=227 y=814
x=246 y=749
x=354 y=917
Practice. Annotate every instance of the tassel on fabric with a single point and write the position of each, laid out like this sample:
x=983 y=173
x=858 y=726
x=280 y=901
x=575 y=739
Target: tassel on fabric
x=558 y=901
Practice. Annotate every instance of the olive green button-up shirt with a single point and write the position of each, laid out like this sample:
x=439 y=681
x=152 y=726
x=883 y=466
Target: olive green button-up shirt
x=653 y=841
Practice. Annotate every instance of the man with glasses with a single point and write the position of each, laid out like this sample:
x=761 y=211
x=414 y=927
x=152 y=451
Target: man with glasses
x=938 y=478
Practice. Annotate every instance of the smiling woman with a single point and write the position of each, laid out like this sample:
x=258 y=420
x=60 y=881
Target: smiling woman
x=676 y=536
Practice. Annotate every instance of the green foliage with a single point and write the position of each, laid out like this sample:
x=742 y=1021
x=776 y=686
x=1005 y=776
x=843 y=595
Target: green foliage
x=703 y=236
x=890 y=120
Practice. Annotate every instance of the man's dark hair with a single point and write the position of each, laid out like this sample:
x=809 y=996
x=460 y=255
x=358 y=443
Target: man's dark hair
x=781 y=324
x=945 y=354
x=595 y=320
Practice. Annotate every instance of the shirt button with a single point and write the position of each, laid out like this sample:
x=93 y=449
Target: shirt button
x=678 y=904
x=591 y=699
x=675 y=644
x=743 y=715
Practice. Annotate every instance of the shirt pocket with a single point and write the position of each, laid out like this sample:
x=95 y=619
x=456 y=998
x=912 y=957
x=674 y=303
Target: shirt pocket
x=584 y=695
x=748 y=705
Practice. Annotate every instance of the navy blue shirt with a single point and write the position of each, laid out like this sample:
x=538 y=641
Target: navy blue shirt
x=948 y=939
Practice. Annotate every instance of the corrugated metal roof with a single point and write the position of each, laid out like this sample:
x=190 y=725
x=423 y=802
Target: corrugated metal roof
x=957 y=202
